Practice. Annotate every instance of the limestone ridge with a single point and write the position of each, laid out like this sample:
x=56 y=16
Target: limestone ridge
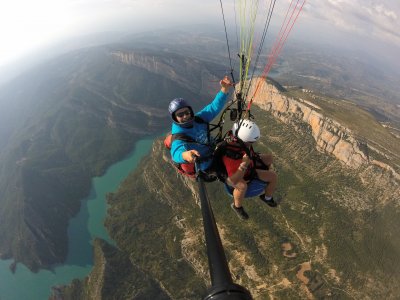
x=330 y=136
x=177 y=68
x=155 y=220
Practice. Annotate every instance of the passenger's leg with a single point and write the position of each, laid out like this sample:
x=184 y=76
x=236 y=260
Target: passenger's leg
x=271 y=178
x=239 y=192
x=267 y=159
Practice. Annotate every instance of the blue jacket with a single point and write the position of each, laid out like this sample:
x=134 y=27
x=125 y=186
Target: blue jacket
x=198 y=132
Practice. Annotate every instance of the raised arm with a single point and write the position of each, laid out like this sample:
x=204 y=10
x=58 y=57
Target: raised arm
x=212 y=110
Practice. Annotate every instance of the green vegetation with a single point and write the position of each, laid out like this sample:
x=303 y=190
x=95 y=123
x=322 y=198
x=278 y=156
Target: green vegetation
x=339 y=241
x=142 y=223
x=74 y=117
x=114 y=277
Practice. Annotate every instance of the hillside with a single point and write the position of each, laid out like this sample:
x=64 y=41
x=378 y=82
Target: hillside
x=339 y=127
x=114 y=277
x=334 y=234
x=65 y=122
x=69 y=119
x=331 y=71
x=343 y=74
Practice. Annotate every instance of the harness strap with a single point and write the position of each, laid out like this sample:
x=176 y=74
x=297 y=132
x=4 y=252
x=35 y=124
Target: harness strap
x=189 y=139
x=233 y=147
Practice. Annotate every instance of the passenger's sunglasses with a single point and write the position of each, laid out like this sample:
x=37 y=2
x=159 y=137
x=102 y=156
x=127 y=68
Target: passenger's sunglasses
x=183 y=113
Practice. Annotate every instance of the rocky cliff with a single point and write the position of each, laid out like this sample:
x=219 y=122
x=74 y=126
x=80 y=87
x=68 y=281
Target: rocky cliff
x=333 y=234
x=330 y=136
x=308 y=247
x=161 y=210
x=182 y=70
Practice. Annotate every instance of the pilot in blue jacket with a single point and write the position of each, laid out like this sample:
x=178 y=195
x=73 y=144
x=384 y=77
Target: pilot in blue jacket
x=184 y=122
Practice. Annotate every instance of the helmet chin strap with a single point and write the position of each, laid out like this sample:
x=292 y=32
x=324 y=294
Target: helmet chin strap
x=187 y=124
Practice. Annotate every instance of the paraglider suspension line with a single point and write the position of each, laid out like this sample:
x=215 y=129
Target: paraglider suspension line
x=227 y=42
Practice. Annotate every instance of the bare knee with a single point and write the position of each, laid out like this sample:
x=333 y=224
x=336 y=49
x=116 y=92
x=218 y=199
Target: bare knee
x=241 y=185
x=267 y=159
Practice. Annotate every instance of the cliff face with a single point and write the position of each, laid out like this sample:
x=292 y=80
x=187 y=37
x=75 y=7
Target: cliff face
x=155 y=219
x=330 y=136
x=333 y=234
x=182 y=70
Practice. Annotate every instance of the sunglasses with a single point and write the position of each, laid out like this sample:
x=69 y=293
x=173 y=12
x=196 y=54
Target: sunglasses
x=183 y=113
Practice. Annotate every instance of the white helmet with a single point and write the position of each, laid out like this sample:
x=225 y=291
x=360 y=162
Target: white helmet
x=248 y=131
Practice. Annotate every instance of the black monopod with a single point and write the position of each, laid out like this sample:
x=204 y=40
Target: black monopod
x=222 y=286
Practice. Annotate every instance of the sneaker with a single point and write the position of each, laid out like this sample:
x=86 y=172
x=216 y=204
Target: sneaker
x=271 y=202
x=242 y=214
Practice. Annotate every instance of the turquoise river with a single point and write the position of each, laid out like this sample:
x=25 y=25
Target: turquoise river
x=87 y=225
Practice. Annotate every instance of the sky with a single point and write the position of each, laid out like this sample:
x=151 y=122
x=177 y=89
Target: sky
x=28 y=25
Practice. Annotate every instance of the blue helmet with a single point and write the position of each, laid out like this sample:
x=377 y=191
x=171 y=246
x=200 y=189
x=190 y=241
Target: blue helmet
x=177 y=104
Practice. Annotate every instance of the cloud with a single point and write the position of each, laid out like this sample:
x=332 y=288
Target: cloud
x=365 y=18
x=49 y=19
x=380 y=9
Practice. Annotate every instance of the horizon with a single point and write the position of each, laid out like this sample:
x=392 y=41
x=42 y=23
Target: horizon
x=28 y=27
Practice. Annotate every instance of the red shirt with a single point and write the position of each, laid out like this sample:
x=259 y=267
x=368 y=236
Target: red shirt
x=232 y=165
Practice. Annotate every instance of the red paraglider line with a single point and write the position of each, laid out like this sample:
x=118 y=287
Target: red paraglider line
x=278 y=46
x=282 y=42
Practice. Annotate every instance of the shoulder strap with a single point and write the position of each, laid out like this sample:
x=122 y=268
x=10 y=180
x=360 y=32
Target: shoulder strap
x=182 y=137
x=199 y=120
x=186 y=138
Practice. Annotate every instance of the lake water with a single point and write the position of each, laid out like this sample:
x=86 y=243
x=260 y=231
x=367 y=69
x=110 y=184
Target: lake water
x=87 y=225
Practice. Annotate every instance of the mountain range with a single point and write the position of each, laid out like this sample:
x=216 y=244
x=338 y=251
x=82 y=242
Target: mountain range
x=333 y=234
x=65 y=121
